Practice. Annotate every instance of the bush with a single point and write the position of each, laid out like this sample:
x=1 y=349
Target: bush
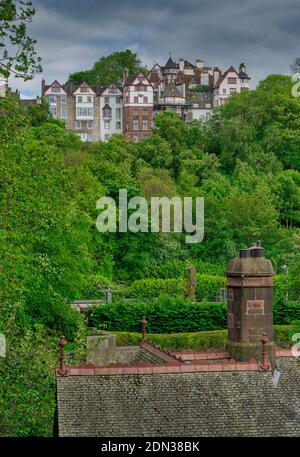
x=208 y=286
x=286 y=313
x=166 y=315
x=203 y=340
x=153 y=288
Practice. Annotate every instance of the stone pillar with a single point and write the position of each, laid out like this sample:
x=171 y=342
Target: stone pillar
x=250 y=311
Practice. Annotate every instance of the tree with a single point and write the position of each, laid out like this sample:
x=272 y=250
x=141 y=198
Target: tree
x=17 y=53
x=295 y=67
x=109 y=69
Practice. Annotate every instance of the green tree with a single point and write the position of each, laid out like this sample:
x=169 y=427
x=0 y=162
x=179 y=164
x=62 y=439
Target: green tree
x=109 y=69
x=17 y=53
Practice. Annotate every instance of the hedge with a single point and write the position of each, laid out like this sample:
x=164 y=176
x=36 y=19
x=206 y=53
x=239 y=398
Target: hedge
x=153 y=288
x=207 y=287
x=166 y=315
x=203 y=340
x=175 y=314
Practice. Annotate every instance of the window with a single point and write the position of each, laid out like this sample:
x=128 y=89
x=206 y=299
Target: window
x=145 y=112
x=145 y=125
x=53 y=110
x=126 y=99
x=78 y=125
x=118 y=125
x=145 y=99
x=232 y=91
x=136 y=99
x=52 y=99
x=140 y=88
x=135 y=115
x=118 y=113
x=118 y=100
x=90 y=124
x=63 y=99
x=89 y=99
x=113 y=90
x=231 y=80
x=106 y=137
x=83 y=136
x=107 y=112
x=204 y=80
x=84 y=89
x=79 y=99
x=135 y=124
x=63 y=111
x=55 y=89
x=107 y=124
x=85 y=112
x=224 y=91
x=106 y=100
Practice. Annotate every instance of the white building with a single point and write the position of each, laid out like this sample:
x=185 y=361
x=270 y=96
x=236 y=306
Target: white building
x=229 y=83
x=111 y=112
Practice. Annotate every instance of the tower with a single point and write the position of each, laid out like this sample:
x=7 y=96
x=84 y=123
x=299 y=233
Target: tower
x=250 y=311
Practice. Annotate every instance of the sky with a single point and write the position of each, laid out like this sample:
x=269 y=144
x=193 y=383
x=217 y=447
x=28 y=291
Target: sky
x=73 y=34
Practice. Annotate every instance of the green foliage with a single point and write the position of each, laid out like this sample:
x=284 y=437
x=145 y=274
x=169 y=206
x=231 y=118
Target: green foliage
x=27 y=400
x=208 y=286
x=17 y=54
x=202 y=340
x=152 y=288
x=166 y=315
x=109 y=69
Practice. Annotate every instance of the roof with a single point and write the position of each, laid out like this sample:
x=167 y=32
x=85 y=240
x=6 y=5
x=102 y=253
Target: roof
x=171 y=91
x=171 y=64
x=180 y=400
x=221 y=79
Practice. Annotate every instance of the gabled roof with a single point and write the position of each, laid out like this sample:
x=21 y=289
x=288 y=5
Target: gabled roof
x=171 y=64
x=171 y=91
x=221 y=79
x=131 y=81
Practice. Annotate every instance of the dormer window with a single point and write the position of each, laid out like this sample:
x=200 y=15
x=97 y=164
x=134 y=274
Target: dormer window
x=84 y=89
x=55 y=89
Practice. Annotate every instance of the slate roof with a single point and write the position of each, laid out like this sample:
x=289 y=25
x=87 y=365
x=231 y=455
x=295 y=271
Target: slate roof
x=180 y=401
x=171 y=91
x=171 y=64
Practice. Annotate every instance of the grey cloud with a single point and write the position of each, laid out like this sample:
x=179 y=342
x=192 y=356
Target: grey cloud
x=72 y=35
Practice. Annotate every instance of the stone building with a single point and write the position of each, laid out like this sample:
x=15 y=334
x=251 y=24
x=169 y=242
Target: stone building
x=190 y=90
x=137 y=107
x=251 y=389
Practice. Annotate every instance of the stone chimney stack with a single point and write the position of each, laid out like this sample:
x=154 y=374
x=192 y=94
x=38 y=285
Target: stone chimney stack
x=181 y=64
x=199 y=63
x=250 y=311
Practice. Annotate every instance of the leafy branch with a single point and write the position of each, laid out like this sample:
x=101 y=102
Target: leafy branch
x=17 y=50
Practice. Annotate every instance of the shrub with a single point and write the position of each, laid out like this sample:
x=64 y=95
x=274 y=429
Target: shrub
x=166 y=315
x=208 y=286
x=203 y=340
x=153 y=288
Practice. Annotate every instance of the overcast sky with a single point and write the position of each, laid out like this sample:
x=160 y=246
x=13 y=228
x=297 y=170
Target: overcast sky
x=73 y=34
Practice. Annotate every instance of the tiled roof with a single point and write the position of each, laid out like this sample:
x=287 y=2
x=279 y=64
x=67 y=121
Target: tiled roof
x=207 y=398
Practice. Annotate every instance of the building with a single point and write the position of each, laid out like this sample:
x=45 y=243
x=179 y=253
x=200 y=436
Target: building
x=193 y=90
x=250 y=389
x=111 y=112
x=190 y=90
x=137 y=107
x=231 y=82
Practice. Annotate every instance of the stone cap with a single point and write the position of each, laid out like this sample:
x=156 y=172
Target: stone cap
x=250 y=262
